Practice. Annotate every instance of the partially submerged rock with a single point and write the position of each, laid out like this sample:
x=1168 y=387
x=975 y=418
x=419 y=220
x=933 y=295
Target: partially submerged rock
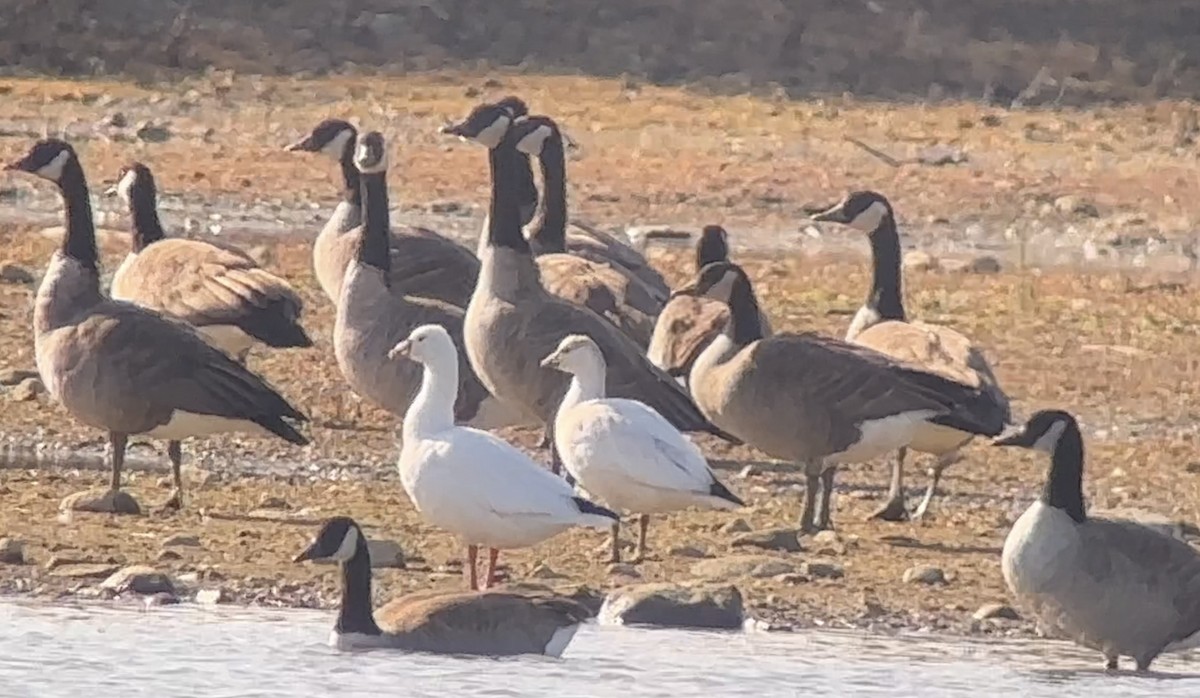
x=140 y=579
x=675 y=606
x=12 y=551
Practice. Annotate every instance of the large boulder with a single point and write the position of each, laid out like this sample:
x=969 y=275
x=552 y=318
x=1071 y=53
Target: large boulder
x=674 y=606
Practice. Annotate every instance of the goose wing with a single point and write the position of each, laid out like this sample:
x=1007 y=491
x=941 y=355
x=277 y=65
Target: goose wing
x=427 y=264
x=684 y=327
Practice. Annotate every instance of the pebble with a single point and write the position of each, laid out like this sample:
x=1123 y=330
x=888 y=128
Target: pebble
x=623 y=569
x=782 y=539
x=161 y=598
x=828 y=543
x=212 y=597
x=544 y=571
x=13 y=376
x=687 y=551
x=740 y=566
x=270 y=501
x=186 y=540
x=12 y=273
x=27 y=390
x=920 y=260
x=140 y=579
x=12 y=551
x=996 y=610
x=167 y=555
x=791 y=579
x=924 y=574
x=823 y=569
x=736 y=526
x=1070 y=204
x=83 y=571
x=151 y=133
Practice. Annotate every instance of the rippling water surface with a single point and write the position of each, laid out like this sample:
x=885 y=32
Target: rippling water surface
x=96 y=651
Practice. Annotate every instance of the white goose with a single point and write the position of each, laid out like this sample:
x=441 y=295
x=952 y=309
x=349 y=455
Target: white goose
x=624 y=452
x=468 y=482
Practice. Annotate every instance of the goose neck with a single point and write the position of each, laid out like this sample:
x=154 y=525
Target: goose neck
x=143 y=211
x=432 y=411
x=79 y=242
x=745 y=317
x=886 y=292
x=587 y=383
x=373 y=249
x=355 y=614
x=504 y=211
x=351 y=191
x=1064 y=486
x=551 y=234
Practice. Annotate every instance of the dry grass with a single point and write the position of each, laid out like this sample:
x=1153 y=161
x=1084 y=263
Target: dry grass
x=1118 y=350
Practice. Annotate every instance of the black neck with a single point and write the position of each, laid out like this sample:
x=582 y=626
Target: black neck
x=355 y=615
x=352 y=194
x=886 y=293
x=745 y=318
x=552 y=234
x=712 y=248
x=143 y=210
x=508 y=192
x=79 y=242
x=1064 y=486
x=374 y=247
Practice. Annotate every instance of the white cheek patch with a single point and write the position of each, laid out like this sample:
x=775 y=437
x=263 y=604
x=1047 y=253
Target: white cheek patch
x=348 y=547
x=868 y=221
x=337 y=145
x=534 y=141
x=1047 y=442
x=125 y=185
x=491 y=136
x=723 y=289
x=53 y=170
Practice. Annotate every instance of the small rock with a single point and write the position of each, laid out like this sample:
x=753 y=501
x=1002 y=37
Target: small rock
x=444 y=207
x=27 y=390
x=101 y=502
x=985 y=264
x=791 y=579
x=13 y=376
x=167 y=555
x=161 y=598
x=740 y=566
x=822 y=569
x=687 y=551
x=924 y=574
x=270 y=501
x=140 y=579
x=212 y=597
x=736 y=526
x=12 y=273
x=151 y=133
x=674 y=606
x=186 y=540
x=920 y=260
x=12 y=551
x=623 y=569
x=996 y=610
x=386 y=554
x=828 y=543
x=84 y=571
x=116 y=120
x=1075 y=205
x=543 y=571
x=783 y=539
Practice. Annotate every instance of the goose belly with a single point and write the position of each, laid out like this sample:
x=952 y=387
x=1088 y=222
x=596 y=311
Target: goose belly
x=184 y=425
x=937 y=439
x=332 y=251
x=1040 y=551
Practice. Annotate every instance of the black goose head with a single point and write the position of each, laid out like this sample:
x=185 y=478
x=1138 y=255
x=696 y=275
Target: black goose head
x=861 y=210
x=370 y=155
x=716 y=280
x=331 y=137
x=48 y=159
x=340 y=540
x=488 y=122
x=134 y=181
x=1042 y=432
x=713 y=246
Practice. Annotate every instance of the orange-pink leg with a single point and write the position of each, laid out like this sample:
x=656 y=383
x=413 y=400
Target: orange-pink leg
x=469 y=572
x=493 y=554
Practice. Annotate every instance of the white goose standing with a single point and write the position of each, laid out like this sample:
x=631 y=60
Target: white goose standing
x=473 y=484
x=622 y=451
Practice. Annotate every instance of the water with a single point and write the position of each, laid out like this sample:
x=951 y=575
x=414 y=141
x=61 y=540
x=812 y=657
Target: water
x=48 y=651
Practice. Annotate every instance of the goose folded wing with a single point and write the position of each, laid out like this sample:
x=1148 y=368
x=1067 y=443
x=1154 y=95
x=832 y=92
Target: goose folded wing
x=686 y=325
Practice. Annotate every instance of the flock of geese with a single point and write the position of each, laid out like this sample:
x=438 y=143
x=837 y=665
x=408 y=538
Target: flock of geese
x=576 y=333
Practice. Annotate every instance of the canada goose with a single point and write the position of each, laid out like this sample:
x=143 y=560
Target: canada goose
x=585 y=241
x=424 y=263
x=608 y=289
x=512 y=321
x=126 y=369
x=493 y=623
x=813 y=400
x=219 y=290
x=623 y=452
x=1113 y=585
x=687 y=323
x=473 y=484
x=882 y=325
x=372 y=316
